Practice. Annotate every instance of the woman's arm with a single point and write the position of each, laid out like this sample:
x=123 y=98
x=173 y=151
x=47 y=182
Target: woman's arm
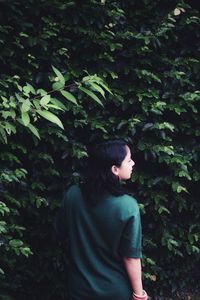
x=134 y=270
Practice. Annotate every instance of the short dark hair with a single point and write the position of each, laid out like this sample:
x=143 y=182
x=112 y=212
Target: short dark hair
x=99 y=178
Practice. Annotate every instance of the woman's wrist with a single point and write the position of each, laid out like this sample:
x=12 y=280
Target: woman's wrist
x=144 y=296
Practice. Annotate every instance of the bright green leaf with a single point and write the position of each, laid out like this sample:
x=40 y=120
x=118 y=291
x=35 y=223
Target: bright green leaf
x=34 y=130
x=25 y=118
x=57 y=86
x=10 y=128
x=50 y=117
x=97 y=88
x=26 y=251
x=69 y=97
x=54 y=106
x=105 y=87
x=45 y=100
x=25 y=106
x=61 y=78
x=91 y=94
x=58 y=103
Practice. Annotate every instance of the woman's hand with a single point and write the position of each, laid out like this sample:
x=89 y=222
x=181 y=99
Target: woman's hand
x=144 y=296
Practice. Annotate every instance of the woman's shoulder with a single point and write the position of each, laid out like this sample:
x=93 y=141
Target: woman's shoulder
x=126 y=202
x=126 y=198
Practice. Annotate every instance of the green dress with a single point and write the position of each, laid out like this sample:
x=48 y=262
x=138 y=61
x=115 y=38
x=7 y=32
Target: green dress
x=99 y=237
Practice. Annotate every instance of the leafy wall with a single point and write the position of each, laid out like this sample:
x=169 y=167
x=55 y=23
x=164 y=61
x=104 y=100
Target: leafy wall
x=148 y=54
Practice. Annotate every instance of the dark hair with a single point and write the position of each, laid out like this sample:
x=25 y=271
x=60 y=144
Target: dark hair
x=99 y=178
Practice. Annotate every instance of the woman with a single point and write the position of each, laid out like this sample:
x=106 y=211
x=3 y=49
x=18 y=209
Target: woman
x=103 y=226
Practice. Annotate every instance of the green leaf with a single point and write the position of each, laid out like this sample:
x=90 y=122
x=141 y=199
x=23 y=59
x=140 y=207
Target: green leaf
x=195 y=249
x=58 y=103
x=25 y=118
x=25 y=106
x=10 y=128
x=26 y=251
x=15 y=243
x=20 y=98
x=45 y=100
x=26 y=89
x=69 y=97
x=50 y=117
x=36 y=104
x=61 y=79
x=97 y=88
x=3 y=227
x=6 y=114
x=177 y=187
x=105 y=87
x=57 y=86
x=58 y=74
x=91 y=94
x=3 y=135
x=34 y=130
x=31 y=88
x=3 y=208
x=41 y=92
x=163 y=209
x=55 y=107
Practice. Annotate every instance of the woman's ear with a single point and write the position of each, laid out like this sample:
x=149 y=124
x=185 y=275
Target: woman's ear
x=115 y=170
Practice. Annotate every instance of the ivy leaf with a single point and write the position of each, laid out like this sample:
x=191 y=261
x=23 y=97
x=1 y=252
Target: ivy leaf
x=50 y=117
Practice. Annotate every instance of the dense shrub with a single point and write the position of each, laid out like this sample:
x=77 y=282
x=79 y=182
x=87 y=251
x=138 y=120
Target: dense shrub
x=147 y=53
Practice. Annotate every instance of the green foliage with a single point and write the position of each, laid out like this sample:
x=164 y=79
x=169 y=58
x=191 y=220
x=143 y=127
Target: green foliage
x=57 y=61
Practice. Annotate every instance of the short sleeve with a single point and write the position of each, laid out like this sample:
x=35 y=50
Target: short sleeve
x=60 y=223
x=131 y=240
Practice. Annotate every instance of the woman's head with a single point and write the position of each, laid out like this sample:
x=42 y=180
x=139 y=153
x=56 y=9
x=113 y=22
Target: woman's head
x=111 y=157
x=109 y=162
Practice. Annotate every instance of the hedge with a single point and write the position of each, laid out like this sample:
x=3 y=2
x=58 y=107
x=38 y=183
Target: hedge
x=73 y=72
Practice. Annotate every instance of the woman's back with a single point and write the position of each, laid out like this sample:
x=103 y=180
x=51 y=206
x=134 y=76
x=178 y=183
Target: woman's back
x=100 y=236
